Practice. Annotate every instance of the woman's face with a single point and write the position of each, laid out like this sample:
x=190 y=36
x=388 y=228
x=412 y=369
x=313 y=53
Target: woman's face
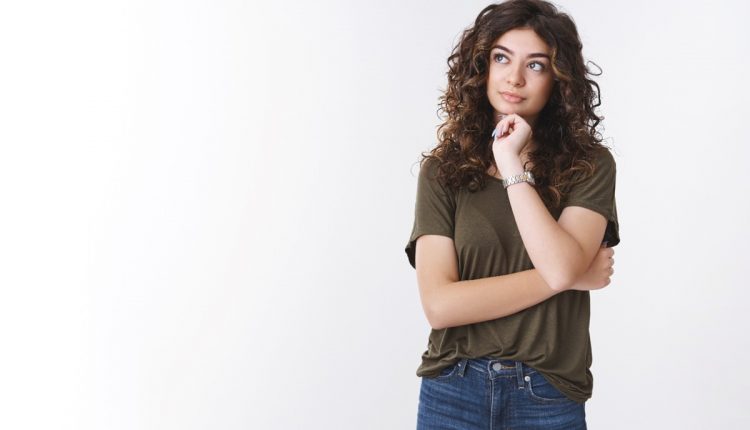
x=519 y=64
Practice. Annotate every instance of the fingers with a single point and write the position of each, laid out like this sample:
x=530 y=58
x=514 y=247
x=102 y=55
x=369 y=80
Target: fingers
x=605 y=262
x=497 y=132
x=504 y=124
x=500 y=129
x=605 y=252
x=608 y=254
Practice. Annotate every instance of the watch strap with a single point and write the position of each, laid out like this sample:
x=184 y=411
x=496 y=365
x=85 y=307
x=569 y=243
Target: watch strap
x=515 y=179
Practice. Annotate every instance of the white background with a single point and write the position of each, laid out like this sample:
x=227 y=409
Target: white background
x=205 y=206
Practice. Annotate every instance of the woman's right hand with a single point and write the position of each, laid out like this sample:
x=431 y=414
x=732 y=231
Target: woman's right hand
x=598 y=274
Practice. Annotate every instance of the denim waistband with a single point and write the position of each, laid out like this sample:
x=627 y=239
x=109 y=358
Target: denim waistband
x=496 y=368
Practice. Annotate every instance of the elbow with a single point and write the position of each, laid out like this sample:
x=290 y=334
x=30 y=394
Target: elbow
x=436 y=314
x=434 y=317
x=564 y=276
x=560 y=286
x=439 y=305
x=562 y=280
x=437 y=326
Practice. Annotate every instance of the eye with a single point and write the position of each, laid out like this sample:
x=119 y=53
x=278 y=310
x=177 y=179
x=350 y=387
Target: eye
x=495 y=57
x=541 y=66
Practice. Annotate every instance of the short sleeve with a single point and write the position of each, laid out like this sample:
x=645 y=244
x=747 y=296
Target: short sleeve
x=597 y=193
x=434 y=210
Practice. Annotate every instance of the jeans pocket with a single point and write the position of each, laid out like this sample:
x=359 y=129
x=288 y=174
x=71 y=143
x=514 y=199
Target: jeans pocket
x=448 y=371
x=540 y=389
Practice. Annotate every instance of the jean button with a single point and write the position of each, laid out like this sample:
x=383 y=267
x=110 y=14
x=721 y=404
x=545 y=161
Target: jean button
x=497 y=366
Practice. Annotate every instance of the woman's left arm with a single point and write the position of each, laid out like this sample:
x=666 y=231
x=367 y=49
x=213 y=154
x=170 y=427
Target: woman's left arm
x=560 y=250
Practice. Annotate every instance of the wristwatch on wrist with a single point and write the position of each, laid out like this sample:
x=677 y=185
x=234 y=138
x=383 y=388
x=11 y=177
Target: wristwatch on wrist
x=515 y=179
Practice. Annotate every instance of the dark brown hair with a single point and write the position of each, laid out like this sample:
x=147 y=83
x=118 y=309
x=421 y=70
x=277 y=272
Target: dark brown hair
x=565 y=128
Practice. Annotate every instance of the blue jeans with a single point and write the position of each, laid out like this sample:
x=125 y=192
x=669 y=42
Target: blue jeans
x=492 y=394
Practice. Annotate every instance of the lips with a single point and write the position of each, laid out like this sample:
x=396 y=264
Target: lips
x=511 y=97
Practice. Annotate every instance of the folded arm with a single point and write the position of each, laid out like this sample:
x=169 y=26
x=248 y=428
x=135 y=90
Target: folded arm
x=448 y=302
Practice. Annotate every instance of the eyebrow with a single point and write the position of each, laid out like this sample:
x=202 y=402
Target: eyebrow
x=534 y=55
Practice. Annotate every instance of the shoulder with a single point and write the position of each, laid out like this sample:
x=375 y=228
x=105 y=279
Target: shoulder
x=601 y=164
x=429 y=172
x=429 y=167
x=602 y=158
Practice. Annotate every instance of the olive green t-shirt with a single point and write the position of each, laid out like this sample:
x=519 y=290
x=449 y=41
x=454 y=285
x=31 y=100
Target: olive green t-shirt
x=551 y=336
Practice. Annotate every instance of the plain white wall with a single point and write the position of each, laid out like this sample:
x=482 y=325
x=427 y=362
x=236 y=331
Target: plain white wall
x=205 y=206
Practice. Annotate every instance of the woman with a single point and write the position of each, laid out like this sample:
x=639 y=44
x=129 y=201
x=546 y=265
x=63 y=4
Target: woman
x=515 y=209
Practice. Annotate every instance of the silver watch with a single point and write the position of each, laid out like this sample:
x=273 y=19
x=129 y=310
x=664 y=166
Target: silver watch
x=515 y=179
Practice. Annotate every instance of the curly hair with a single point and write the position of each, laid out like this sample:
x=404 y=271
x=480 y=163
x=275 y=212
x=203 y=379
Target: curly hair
x=565 y=128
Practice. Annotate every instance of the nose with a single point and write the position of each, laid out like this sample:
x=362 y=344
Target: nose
x=515 y=76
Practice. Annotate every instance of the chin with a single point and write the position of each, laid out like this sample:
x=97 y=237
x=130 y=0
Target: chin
x=505 y=110
x=510 y=111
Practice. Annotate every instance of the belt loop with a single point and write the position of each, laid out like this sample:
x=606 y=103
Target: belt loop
x=519 y=374
x=462 y=366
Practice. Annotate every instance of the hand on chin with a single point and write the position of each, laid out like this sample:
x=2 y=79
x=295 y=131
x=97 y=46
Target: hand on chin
x=512 y=133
